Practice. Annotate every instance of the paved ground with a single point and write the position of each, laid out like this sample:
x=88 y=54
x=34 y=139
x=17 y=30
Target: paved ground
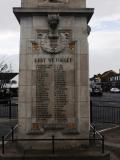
x=5 y=125
x=112 y=142
x=104 y=126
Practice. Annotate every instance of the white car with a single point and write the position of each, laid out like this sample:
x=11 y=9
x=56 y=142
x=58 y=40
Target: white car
x=115 y=90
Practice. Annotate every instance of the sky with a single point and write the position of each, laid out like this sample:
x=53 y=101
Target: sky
x=104 y=47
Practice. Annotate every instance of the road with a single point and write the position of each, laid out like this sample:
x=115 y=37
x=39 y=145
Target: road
x=108 y=99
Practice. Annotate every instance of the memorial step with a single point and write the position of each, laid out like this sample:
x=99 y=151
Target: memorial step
x=57 y=156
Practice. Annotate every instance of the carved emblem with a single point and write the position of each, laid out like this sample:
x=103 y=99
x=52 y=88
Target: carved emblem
x=53 y=45
x=53 y=21
x=53 y=41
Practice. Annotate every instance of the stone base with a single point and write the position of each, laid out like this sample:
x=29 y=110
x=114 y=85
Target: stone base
x=14 y=152
x=63 y=155
x=48 y=145
x=62 y=140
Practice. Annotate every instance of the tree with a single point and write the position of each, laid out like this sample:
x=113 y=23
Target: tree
x=3 y=67
x=3 y=82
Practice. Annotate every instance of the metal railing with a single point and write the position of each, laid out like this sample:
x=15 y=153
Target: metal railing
x=105 y=112
x=8 y=109
x=98 y=134
x=53 y=140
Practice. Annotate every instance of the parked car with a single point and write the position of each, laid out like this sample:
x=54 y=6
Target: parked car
x=115 y=90
x=96 y=92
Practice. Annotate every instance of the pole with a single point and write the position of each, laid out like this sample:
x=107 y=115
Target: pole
x=12 y=134
x=53 y=145
x=91 y=112
x=3 y=145
x=103 y=146
x=10 y=107
x=94 y=133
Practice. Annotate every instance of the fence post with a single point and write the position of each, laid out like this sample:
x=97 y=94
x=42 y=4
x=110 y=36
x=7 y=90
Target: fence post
x=94 y=132
x=91 y=112
x=53 y=144
x=3 y=145
x=10 y=108
x=103 y=146
x=12 y=134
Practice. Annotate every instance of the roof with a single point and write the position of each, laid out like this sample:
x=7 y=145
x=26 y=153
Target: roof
x=7 y=76
x=108 y=72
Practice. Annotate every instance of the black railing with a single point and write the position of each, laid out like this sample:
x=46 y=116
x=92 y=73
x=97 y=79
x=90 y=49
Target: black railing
x=101 y=111
x=8 y=109
x=99 y=135
x=9 y=134
x=96 y=137
x=105 y=112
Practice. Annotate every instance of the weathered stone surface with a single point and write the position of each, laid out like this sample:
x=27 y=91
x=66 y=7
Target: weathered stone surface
x=54 y=3
x=54 y=85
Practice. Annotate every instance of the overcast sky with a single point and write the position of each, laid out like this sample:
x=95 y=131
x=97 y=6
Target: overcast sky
x=104 y=41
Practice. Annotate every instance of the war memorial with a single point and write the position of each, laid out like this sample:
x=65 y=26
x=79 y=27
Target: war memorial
x=54 y=101
x=53 y=83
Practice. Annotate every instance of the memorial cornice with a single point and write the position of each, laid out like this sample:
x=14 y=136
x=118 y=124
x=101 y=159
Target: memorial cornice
x=44 y=11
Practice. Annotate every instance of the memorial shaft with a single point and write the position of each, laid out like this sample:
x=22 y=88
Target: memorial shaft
x=54 y=81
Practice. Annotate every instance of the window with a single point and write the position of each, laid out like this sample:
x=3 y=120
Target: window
x=111 y=78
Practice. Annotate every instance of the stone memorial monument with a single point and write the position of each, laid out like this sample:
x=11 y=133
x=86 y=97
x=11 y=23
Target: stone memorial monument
x=54 y=82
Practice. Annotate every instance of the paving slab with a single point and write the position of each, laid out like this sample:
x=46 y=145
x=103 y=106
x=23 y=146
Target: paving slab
x=5 y=125
x=112 y=142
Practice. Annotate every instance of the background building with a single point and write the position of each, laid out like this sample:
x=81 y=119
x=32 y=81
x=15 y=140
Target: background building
x=107 y=80
x=8 y=85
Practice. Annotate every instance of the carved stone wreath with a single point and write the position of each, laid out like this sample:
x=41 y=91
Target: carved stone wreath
x=54 y=45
